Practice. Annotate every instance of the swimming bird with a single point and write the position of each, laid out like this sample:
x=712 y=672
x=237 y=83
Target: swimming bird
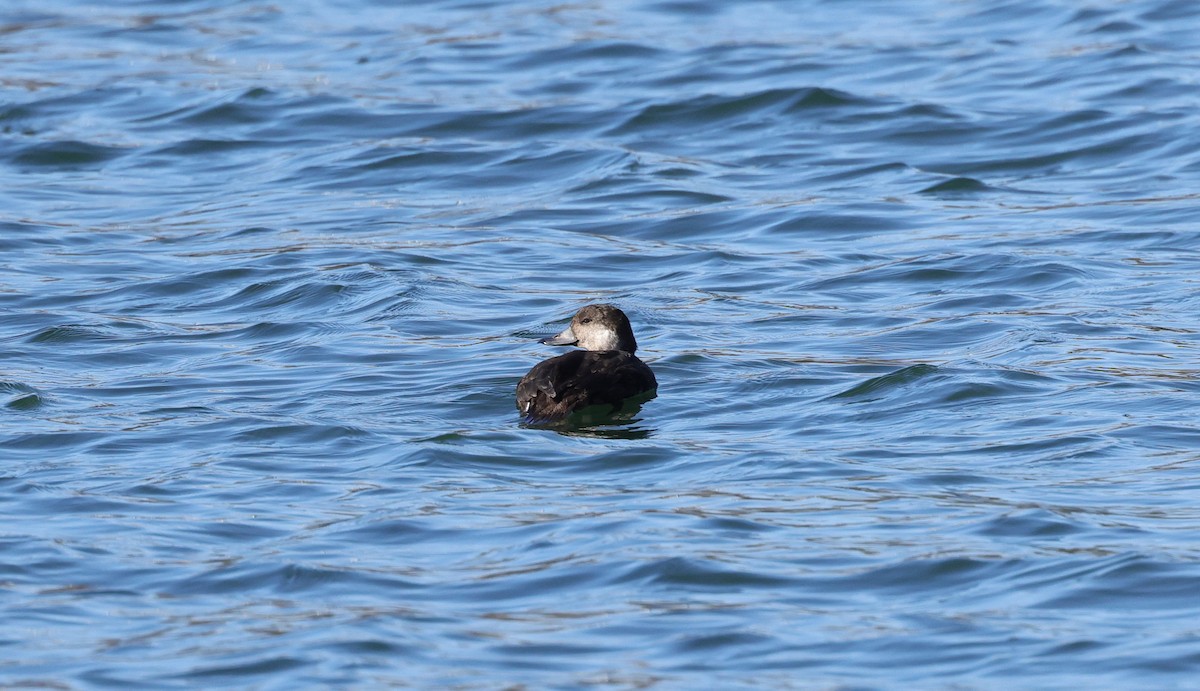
x=605 y=372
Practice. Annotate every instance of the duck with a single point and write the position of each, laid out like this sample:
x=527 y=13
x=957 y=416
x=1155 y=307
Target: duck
x=606 y=372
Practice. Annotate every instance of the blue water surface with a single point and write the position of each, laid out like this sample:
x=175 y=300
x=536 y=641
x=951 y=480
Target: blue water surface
x=918 y=281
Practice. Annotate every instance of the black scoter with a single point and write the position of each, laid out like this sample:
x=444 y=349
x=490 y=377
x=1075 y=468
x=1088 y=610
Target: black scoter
x=605 y=372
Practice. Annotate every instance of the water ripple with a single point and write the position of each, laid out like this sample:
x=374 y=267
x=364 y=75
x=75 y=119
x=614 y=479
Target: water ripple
x=917 y=285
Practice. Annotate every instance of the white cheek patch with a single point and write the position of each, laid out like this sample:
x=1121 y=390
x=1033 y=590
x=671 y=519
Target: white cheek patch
x=607 y=341
x=596 y=337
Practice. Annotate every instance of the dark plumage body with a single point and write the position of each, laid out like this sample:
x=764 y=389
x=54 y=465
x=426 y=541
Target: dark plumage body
x=607 y=373
x=557 y=387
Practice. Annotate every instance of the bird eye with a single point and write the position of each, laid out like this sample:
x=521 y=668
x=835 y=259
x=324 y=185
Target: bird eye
x=588 y=320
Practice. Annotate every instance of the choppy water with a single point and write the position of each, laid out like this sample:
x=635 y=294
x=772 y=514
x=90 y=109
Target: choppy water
x=918 y=280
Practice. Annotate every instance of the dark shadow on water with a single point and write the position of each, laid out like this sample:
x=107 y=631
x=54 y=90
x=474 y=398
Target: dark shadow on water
x=601 y=421
x=608 y=432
